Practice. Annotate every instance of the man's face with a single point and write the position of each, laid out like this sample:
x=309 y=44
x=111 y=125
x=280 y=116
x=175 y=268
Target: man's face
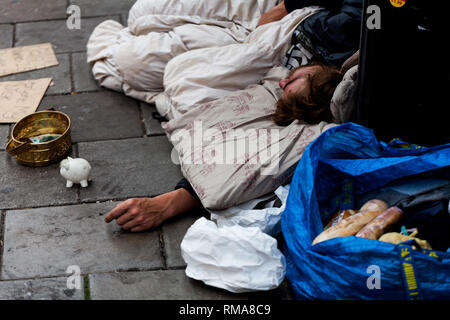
x=298 y=80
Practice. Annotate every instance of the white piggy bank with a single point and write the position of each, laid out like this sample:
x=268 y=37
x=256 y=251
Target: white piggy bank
x=75 y=170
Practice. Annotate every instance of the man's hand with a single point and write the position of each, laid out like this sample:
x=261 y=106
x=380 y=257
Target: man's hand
x=139 y=214
x=276 y=13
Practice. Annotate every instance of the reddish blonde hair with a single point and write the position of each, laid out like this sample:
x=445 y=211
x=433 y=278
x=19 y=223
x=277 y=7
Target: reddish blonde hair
x=311 y=105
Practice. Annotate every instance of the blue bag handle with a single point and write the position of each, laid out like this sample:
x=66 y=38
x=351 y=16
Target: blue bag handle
x=410 y=281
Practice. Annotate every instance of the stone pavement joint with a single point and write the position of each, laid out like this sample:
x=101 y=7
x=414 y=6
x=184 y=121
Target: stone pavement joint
x=2 y=237
x=4 y=134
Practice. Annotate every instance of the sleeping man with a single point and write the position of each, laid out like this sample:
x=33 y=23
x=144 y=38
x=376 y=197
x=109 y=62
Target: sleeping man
x=307 y=92
x=320 y=44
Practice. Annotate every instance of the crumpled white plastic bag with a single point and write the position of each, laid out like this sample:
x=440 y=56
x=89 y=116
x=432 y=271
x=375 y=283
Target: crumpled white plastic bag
x=268 y=219
x=236 y=251
x=234 y=258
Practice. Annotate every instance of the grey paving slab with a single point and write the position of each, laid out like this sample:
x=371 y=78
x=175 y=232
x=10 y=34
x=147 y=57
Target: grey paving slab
x=153 y=285
x=98 y=115
x=82 y=76
x=102 y=7
x=4 y=132
x=129 y=168
x=152 y=126
x=60 y=75
x=6 y=35
x=124 y=18
x=30 y=10
x=173 y=233
x=25 y=187
x=39 y=289
x=56 y=31
x=45 y=241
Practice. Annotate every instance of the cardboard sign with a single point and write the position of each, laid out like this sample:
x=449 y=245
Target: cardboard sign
x=27 y=58
x=20 y=98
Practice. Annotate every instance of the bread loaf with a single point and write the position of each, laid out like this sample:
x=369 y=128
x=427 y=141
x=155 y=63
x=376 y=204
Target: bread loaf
x=339 y=216
x=378 y=226
x=395 y=238
x=351 y=225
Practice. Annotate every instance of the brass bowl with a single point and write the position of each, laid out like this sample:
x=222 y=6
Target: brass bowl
x=35 y=124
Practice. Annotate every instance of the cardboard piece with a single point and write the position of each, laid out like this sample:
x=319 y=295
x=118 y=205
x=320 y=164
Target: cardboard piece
x=27 y=58
x=20 y=98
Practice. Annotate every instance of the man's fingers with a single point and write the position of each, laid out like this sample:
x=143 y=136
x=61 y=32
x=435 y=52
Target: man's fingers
x=130 y=215
x=138 y=228
x=119 y=210
x=131 y=224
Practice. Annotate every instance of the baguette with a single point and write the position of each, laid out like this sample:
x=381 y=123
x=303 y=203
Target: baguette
x=339 y=216
x=374 y=205
x=378 y=226
x=351 y=225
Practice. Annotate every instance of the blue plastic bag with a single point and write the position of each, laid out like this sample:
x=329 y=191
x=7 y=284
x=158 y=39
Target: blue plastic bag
x=343 y=163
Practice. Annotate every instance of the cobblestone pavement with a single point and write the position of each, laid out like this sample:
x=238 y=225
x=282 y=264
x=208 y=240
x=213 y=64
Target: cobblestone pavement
x=45 y=227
